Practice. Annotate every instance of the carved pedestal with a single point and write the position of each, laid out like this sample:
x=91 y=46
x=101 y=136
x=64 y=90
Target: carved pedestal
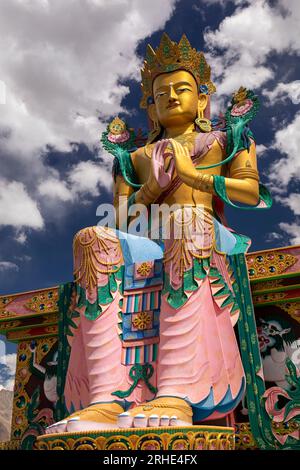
x=174 y=438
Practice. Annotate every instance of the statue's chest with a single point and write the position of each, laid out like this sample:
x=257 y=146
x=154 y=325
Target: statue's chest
x=205 y=149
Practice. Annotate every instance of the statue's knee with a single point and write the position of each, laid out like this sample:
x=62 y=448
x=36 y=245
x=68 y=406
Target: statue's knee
x=88 y=234
x=83 y=233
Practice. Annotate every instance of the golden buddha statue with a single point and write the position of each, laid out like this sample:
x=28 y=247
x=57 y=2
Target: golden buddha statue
x=154 y=343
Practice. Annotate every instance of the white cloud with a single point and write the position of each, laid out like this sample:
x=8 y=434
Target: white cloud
x=7 y=265
x=292 y=201
x=2 y=92
x=283 y=91
x=23 y=258
x=7 y=370
x=62 y=63
x=54 y=188
x=86 y=176
x=287 y=167
x=271 y=237
x=21 y=237
x=247 y=37
x=239 y=51
x=261 y=150
x=293 y=230
x=84 y=179
x=17 y=209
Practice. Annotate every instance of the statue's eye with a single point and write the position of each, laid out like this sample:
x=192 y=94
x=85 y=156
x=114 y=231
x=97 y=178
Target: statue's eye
x=182 y=89
x=161 y=93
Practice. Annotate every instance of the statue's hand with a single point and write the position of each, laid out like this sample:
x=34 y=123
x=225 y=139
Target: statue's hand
x=183 y=162
x=162 y=167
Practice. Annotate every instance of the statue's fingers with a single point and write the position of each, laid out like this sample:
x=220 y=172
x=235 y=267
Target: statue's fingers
x=158 y=151
x=187 y=152
x=171 y=168
x=177 y=147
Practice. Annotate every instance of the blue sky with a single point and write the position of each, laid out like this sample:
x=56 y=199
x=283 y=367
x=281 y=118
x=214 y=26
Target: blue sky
x=66 y=71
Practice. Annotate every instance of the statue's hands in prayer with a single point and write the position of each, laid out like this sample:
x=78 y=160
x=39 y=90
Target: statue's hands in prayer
x=183 y=162
x=186 y=170
x=161 y=168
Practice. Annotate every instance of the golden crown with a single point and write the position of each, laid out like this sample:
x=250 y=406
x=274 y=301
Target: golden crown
x=170 y=56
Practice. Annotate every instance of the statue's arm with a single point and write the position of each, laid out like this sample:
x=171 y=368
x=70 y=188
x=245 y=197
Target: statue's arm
x=121 y=191
x=243 y=178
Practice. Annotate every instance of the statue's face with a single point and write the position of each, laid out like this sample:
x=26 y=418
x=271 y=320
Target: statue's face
x=176 y=98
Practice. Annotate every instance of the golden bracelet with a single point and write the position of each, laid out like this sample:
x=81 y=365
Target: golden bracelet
x=204 y=183
x=198 y=181
x=146 y=195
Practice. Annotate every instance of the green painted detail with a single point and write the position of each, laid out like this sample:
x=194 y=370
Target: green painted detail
x=66 y=316
x=138 y=372
x=152 y=299
x=122 y=162
x=136 y=303
x=200 y=269
x=48 y=335
x=32 y=315
x=261 y=426
x=264 y=195
x=105 y=297
x=277 y=302
x=278 y=289
x=137 y=354
x=155 y=351
x=280 y=276
x=177 y=298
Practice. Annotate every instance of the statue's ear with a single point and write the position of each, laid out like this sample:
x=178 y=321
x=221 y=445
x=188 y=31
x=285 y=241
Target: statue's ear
x=202 y=101
x=152 y=113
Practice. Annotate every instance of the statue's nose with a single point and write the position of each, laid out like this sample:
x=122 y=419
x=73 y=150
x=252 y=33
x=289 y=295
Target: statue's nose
x=172 y=99
x=172 y=95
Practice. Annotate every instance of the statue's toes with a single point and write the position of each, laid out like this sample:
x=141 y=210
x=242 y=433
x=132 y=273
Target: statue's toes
x=48 y=430
x=140 y=421
x=73 y=424
x=153 y=421
x=125 y=420
x=59 y=427
x=173 y=421
x=164 y=421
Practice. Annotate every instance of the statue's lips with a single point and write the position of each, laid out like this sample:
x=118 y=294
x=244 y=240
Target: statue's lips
x=171 y=106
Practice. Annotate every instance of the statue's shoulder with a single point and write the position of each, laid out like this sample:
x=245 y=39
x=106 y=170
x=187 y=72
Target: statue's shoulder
x=138 y=154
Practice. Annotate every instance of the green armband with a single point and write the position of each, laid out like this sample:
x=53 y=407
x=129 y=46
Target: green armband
x=265 y=198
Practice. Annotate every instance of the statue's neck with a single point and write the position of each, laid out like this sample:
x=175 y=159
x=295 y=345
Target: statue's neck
x=176 y=131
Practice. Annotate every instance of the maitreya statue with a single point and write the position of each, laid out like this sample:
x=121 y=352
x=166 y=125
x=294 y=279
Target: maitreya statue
x=152 y=341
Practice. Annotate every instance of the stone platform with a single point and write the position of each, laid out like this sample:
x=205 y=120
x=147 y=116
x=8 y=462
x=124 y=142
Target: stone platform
x=160 y=438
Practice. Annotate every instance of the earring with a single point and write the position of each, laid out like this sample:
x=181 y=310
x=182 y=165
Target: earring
x=203 y=123
x=155 y=132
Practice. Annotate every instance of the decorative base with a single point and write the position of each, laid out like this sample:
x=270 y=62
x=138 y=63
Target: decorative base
x=162 y=438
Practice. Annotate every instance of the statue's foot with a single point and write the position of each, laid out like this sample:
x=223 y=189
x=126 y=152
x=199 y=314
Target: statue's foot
x=164 y=411
x=95 y=417
x=60 y=426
